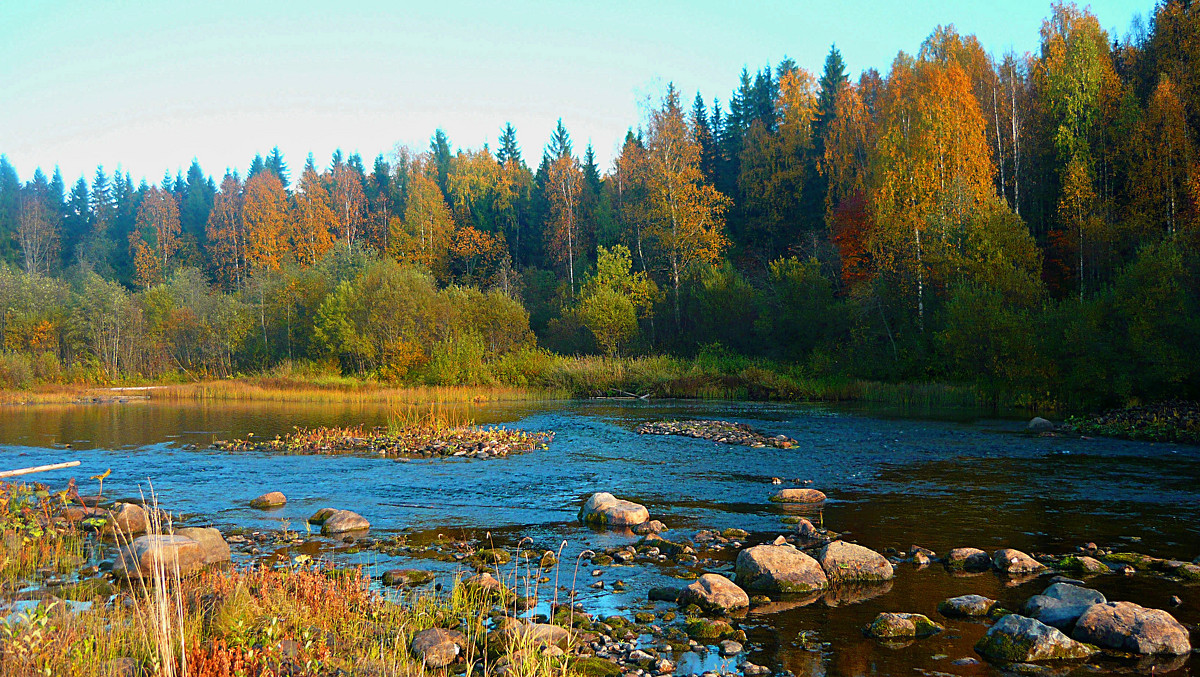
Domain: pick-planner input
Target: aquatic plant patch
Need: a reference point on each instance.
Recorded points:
(420, 441)
(724, 432)
(1170, 421)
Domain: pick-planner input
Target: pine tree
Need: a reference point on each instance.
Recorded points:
(833, 79)
(275, 163)
(439, 150)
(508, 148)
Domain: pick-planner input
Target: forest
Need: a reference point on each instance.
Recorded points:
(1027, 224)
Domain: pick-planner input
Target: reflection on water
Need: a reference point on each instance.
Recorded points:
(892, 482)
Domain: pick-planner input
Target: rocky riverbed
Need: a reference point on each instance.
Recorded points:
(724, 432)
(417, 441)
(705, 624)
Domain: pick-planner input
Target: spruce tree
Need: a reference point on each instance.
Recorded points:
(439, 147)
(508, 148)
(275, 163)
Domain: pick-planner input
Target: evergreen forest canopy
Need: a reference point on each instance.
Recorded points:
(1028, 223)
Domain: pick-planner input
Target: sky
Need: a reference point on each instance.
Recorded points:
(148, 86)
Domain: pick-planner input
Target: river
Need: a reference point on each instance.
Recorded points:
(941, 481)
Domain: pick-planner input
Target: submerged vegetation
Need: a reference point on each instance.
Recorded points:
(1170, 421)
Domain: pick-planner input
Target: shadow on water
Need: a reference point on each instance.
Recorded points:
(967, 479)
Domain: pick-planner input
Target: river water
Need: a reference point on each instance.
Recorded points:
(940, 481)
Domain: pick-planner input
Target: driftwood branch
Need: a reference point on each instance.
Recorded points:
(38, 468)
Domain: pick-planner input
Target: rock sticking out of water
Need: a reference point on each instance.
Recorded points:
(1025, 640)
(900, 626)
(850, 563)
(798, 496)
(715, 593)
(1125, 626)
(779, 569)
(605, 509)
(724, 432)
(1061, 604)
(272, 499)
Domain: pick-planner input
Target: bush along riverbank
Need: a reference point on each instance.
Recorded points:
(1170, 421)
(93, 587)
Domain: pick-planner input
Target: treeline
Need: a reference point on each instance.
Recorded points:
(1029, 223)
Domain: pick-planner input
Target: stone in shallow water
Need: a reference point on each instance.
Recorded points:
(968, 559)
(1125, 626)
(848, 562)
(344, 521)
(605, 509)
(779, 568)
(798, 496)
(966, 606)
(1026, 640)
(901, 625)
(213, 547)
(272, 499)
(1061, 604)
(714, 592)
(1012, 561)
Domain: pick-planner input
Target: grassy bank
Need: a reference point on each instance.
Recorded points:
(531, 376)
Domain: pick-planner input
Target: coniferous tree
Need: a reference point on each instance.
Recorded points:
(508, 149)
(274, 162)
(439, 150)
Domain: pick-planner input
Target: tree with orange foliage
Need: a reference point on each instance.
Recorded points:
(847, 149)
(146, 269)
(476, 250)
(686, 214)
(1165, 156)
(313, 228)
(267, 220)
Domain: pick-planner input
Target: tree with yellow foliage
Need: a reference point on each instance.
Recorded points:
(158, 214)
(425, 233)
(686, 215)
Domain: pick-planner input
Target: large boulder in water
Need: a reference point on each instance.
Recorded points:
(1125, 626)
(1012, 561)
(343, 521)
(1061, 604)
(606, 509)
(849, 563)
(1026, 640)
(779, 568)
(147, 555)
(714, 593)
(213, 548)
(129, 518)
(798, 496)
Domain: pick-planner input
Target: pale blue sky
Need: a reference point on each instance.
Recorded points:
(150, 85)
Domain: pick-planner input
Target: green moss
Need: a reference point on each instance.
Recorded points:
(707, 629)
(644, 617)
(734, 533)
(591, 666)
(602, 560)
(1132, 558)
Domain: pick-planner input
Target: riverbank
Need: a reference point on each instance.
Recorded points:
(1169, 421)
(534, 376)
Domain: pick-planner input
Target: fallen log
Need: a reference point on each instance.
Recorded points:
(38, 468)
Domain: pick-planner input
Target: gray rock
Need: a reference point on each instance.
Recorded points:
(966, 606)
(1039, 425)
(148, 554)
(1061, 604)
(1125, 626)
(779, 568)
(730, 648)
(1026, 640)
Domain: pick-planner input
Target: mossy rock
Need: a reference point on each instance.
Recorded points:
(669, 616)
(86, 590)
(1136, 559)
(644, 617)
(602, 560)
(592, 666)
(1188, 572)
(548, 560)
(616, 621)
(491, 557)
(791, 519)
(1081, 565)
(708, 629)
(735, 533)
